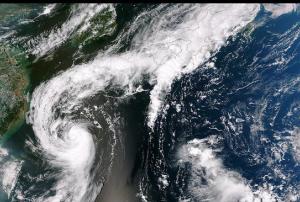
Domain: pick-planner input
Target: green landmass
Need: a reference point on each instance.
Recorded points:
(101, 25)
(13, 85)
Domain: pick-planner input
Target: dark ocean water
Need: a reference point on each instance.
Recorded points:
(230, 124)
(245, 88)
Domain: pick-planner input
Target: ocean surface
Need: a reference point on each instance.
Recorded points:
(150, 102)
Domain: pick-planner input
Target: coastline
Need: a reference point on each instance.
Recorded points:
(21, 83)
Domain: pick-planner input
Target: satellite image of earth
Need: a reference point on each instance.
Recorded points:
(149, 102)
